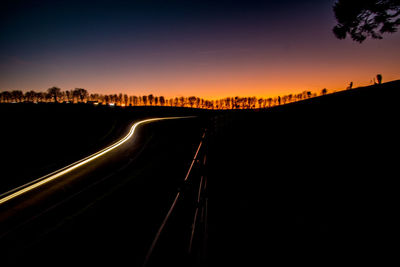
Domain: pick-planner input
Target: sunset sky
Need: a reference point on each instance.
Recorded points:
(207, 48)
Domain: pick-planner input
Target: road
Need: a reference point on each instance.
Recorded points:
(105, 208)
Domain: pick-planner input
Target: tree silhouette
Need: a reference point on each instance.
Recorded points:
(350, 86)
(379, 78)
(182, 101)
(135, 100)
(119, 99)
(40, 96)
(69, 95)
(54, 92)
(366, 18)
(151, 99)
(126, 99)
(80, 94)
(162, 100)
(260, 101)
(30, 96)
(5, 96)
(284, 99)
(192, 100)
(144, 99)
(269, 100)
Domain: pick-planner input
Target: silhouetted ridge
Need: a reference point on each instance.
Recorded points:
(311, 179)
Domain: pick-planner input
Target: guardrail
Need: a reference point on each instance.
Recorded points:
(193, 191)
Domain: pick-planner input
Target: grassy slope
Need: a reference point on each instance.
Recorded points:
(309, 182)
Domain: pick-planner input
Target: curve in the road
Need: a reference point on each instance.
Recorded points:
(56, 174)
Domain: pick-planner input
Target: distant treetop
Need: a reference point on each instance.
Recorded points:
(366, 18)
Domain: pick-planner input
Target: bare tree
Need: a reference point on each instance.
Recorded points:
(54, 92)
(80, 94)
(30, 96)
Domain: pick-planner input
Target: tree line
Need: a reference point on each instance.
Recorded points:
(80, 95)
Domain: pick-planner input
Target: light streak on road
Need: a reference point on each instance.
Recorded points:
(54, 175)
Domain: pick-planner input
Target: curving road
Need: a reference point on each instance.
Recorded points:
(12, 194)
(88, 210)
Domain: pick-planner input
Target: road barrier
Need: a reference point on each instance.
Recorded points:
(192, 197)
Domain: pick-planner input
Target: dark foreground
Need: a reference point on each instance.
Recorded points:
(305, 183)
(107, 214)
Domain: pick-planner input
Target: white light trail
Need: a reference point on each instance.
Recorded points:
(54, 175)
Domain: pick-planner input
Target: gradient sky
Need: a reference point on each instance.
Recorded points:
(207, 48)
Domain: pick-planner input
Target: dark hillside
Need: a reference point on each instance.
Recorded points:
(309, 182)
(40, 138)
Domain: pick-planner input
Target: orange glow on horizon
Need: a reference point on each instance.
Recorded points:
(261, 56)
(216, 91)
(262, 76)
